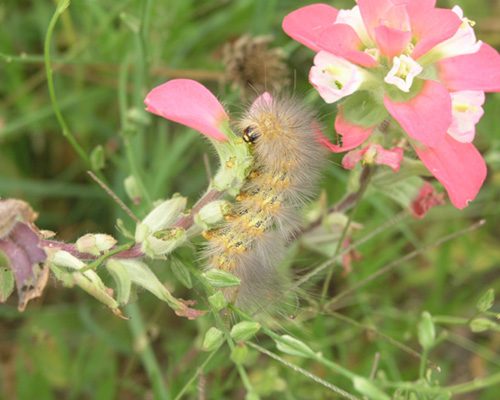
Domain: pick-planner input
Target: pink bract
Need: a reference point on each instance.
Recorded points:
(189, 103)
(458, 166)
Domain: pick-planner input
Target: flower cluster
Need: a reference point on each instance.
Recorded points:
(408, 61)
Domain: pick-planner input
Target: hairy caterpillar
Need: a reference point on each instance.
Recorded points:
(287, 163)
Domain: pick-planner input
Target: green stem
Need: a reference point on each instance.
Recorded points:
(198, 371)
(145, 352)
(476, 384)
(118, 249)
(364, 181)
(61, 7)
(304, 372)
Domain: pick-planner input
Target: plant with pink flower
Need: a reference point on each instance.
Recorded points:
(409, 62)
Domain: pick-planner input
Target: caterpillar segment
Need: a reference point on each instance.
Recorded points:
(266, 212)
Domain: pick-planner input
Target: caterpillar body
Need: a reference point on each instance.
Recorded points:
(265, 216)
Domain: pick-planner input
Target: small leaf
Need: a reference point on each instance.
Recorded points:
(294, 347)
(217, 301)
(368, 389)
(239, 353)
(97, 158)
(122, 279)
(221, 279)
(213, 339)
(426, 331)
(181, 273)
(486, 301)
(244, 330)
(483, 324)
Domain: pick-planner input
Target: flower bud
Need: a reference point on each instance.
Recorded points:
(244, 330)
(163, 242)
(212, 213)
(95, 244)
(62, 258)
(213, 339)
(217, 301)
(132, 189)
(221, 279)
(160, 217)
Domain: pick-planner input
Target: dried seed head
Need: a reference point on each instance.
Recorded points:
(253, 67)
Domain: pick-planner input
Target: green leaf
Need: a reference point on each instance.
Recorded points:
(221, 279)
(368, 389)
(141, 275)
(213, 339)
(217, 301)
(426, 331)
(122, 279)
(294, 347)
(181, 273)
(244, 330)
(486, 301)
(363, 109)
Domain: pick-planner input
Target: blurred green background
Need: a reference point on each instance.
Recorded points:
(107, 55)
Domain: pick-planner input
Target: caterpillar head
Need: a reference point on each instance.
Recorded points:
(250, 134)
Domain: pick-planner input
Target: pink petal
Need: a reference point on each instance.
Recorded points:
(427, 116)
(391, 42)
(306, 23)
(390, 157)
(458, 166)
(374, 154)
(343, 41)
(352, 135)
(427, 198)
(431, 27)
(189, 103)
(352, 158)
(372, 12)
(477, 71)
(416, 6)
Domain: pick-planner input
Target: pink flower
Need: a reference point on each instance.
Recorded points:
(334, 77)
(420, 65)
(189, 103)
(426, 199)
(374, 154)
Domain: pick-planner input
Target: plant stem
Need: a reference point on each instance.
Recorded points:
(351, 200)
(61, 7)
(145, 352)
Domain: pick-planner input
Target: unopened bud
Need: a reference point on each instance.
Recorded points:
(95, 244)
(160, 217)
(163, 242)
(62, 258)
(132, 189)
(212, 213)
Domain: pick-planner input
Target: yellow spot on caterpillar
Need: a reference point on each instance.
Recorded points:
(230, 163)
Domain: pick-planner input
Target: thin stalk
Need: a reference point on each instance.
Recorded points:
(198, 371)
(146, 353)
(364, 180)
(304, 372)
(61, 7)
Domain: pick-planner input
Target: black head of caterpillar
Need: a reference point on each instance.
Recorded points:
(250, 134)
